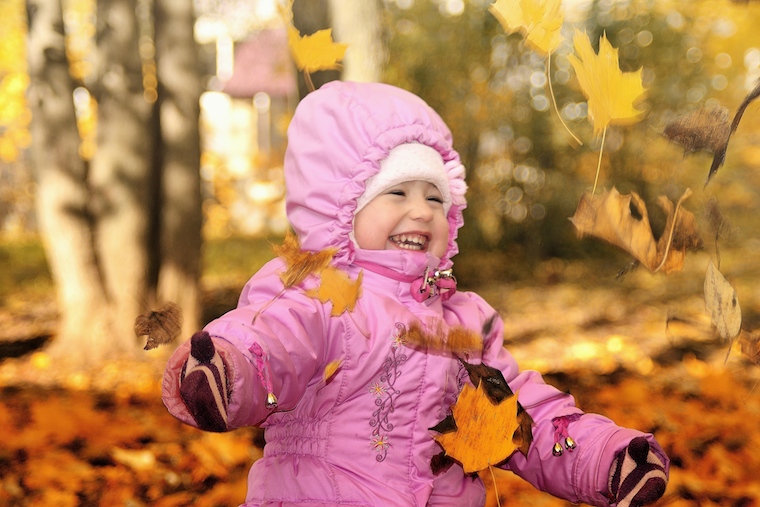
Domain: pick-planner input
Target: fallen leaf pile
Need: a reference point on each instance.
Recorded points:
(705, 419)
(71, 448)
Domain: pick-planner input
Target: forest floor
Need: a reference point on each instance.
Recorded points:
(639, 350)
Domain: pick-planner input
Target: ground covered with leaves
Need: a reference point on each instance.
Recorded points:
(639, 350)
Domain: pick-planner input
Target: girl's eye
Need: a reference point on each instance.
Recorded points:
(439, 200)
(397, 192)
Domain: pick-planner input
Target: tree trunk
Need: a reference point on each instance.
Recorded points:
(360, 25)
(179, 111)
(120, 173)
(61, 174)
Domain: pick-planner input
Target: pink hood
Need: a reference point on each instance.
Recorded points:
(336, 140)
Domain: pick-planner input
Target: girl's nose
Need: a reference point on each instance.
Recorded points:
(420, 210)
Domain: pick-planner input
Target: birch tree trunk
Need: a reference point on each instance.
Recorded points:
(360, 25)
(179, 111)
(121, 173)
(62, 198)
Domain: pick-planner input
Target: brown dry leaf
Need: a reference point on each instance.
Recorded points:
(750, 345)
(679, 236)
(609, 216)
(300, 263)
(485, 431)
(704, 129)
(720, 154)
(722, 303)
(338, 288)
(458, 339)
(162, 326)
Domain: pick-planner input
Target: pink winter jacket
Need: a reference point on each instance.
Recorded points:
(362, 437)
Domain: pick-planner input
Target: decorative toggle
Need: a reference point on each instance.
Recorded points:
(436, 282)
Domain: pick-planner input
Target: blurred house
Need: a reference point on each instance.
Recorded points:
(244, 122)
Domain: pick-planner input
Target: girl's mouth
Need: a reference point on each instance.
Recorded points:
(409, 241)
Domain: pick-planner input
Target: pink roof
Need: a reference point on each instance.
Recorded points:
(262, 64)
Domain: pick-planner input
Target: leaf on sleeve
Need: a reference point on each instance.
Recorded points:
(494, 384)
(332, 368)
(722, 304)
(485, 430)
(611, 93)
(300, 263)
(539, 21)
(456, 339)
(161, 326)
(338, 288)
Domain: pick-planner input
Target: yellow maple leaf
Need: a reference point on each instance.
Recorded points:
(300, 263)
(540, 21)
(315, 52)
(611, 93)
(339, 289)
(485, 431)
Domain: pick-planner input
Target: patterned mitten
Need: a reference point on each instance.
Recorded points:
(637, 476)
(204, 386)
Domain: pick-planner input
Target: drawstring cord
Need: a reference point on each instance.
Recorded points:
(561, 435)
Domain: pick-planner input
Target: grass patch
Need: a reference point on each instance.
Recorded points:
(24, 270)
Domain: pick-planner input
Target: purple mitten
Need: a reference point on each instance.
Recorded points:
(204, 386)
(637, 476)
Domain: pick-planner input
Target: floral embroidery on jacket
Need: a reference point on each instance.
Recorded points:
(386, 393)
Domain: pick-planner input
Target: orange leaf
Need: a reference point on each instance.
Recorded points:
(457, 339)
(485, 431)
(332, 368)
(339, 289)
(300, 263)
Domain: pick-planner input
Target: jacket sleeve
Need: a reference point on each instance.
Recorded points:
(578, 475)
(272, 342)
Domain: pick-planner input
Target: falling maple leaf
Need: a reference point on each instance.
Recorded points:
(722, 303)
(608, 216)
(484, 430)
(161, 326)
(611, 93)
(540, 21)
(336, 286)
(300, 263)
(315, 52)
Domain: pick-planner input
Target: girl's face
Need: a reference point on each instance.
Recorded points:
(408, 216)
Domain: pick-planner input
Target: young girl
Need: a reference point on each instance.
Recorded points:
(371, 173)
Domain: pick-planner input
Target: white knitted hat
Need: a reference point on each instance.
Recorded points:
(408, 162)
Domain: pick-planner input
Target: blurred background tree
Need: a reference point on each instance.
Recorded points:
(116, 91)
(121, 223)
